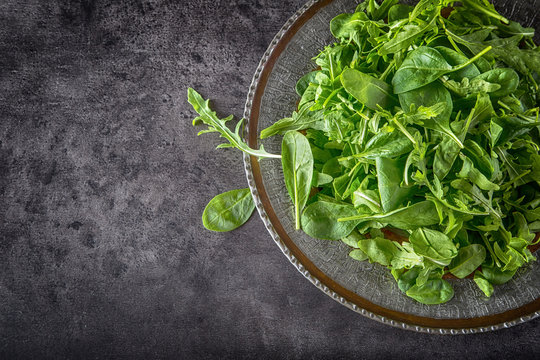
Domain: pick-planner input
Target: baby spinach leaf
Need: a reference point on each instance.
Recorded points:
(507, 79)
(469, 258)
(358, 254)
(483, 284)
(434, 291)
(297, 162)
(434, 245)
(320, 220)
(209, 117)
(391, 143)
(378, 250)
(407, 218)
(454, 58)
(408, 279)
(368, 90)
(429, 96)
(423, 66)
(228, 211)
(390, 177)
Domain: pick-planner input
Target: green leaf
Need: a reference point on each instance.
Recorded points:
(483, 284)
(507, 79)
(435, 291)
(433, 245)
(389, 178)
(228, 211)
(320, 220)
(209, 117)
(407, 218)
(378, 250)
(300, 120)
(297, 162)
(469, 258)
(370, 91)
(423, 66)
(358, 255)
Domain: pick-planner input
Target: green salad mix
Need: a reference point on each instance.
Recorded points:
(422, 121)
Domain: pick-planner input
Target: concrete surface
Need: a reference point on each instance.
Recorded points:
(103, 181)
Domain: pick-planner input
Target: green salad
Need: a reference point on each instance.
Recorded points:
(419, 120)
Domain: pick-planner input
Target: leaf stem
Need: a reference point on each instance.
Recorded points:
(473, 59)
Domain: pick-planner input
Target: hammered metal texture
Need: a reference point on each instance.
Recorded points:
(370, 281)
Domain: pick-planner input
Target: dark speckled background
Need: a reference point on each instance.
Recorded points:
(103, 181)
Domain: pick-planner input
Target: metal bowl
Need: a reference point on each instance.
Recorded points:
(368, 289)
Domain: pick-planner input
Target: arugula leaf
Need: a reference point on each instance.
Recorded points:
(209, 117)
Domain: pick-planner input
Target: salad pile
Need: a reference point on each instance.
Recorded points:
(422, 121)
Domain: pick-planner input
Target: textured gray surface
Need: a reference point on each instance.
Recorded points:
(102, 183)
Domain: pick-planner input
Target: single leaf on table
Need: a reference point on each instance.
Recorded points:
(228, 211)
(209, 117)
(320, 220)
(367, 89)
(434, 245)
(297, 163)
(468, 259)
(408, 218)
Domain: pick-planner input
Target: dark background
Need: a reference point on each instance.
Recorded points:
(103, 181)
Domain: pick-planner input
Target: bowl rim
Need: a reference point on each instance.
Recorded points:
(300, 261)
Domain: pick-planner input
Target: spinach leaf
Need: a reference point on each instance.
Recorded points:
(423, 66)
(468, 259)
(370, 91)
(297, 162)
(228, 211)
(320, 220)
(434, 291)
(407, 218)
(378, 250)
(434, 245)
(507, 79)
(390, 176)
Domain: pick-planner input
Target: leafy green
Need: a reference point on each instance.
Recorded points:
(297, 162)
(228, 211)
(209, 117)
